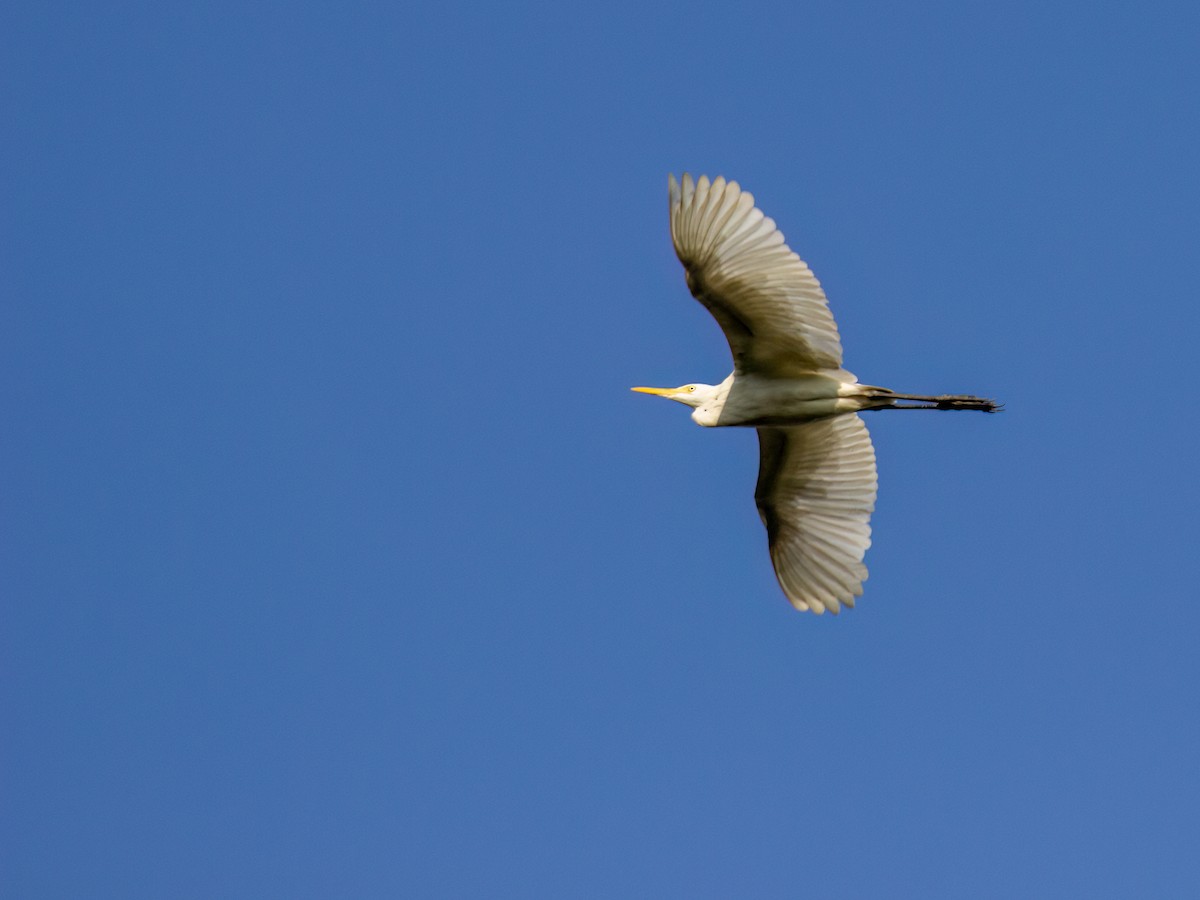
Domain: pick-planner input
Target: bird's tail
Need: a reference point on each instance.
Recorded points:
(882, 398)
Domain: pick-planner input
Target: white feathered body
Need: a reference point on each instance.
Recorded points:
(751, 400)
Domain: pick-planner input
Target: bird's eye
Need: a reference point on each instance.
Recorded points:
(691, 388)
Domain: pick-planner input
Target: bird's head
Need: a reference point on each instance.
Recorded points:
(694, 395)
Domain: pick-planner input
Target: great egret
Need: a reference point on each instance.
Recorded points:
(816, 477)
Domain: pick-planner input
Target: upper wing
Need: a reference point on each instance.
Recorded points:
(766, 300)
(816, 492)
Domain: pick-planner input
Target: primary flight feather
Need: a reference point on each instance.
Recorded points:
(816, 478)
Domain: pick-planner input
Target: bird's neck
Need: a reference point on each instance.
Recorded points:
(709, 412)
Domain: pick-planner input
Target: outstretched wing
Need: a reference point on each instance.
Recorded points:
(766, 300)
(816, 491)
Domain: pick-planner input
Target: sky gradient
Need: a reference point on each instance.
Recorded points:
(339, 560)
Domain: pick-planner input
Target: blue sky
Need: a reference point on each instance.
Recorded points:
(339, 560)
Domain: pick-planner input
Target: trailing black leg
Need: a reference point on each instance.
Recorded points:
(943, 401)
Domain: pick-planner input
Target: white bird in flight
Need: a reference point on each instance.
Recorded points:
(816, 477)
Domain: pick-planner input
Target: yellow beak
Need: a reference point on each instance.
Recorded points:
(662, 392)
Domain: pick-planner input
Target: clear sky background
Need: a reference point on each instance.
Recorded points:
(339, 560)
